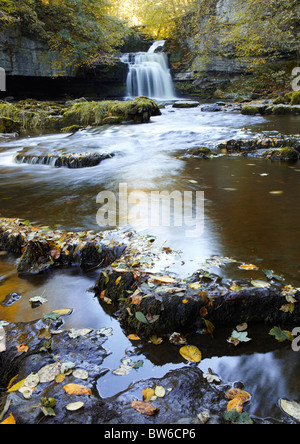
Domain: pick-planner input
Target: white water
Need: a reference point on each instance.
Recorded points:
(149, 74)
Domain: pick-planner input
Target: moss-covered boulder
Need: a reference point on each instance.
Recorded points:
(8, 125)
(201, 152)
(287, 153)
(253, 109)
(139, 110)
(295, 99)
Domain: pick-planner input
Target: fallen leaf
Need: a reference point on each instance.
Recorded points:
(209, 327)
(22, 348)
(9, 420)
(16, 386)
(164, 279)
(63, 311)
(74, 406)
(159, 391)
(148, 393)
(242, 327)
(141, 317)
(145, 407)
(260, 284)
(77, 389)
(191, 353)
(155, 340)
(195, 286)
(238, 398)
(49, 372)
(80, 374)
(134, 337)
(281, 335)
(177, 339)
(291, 408)
(248, 267)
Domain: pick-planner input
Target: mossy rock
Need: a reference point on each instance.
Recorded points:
(295, 99)
(253, 110)
(201, 152)
(286, 153)
(8, 125)
(71, 129)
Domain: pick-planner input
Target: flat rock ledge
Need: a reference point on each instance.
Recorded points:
(157, 308)
(189, 394)
(41, 248)
(72, 161)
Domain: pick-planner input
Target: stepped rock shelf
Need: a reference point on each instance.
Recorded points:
(72, 115)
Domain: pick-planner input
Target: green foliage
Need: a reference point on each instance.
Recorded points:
(82, 31)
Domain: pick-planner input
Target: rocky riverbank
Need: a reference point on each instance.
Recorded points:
(72, 115)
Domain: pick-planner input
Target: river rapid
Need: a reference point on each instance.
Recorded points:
(243, 220)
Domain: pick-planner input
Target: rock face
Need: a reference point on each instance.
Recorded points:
(198, 73)
(22, 56)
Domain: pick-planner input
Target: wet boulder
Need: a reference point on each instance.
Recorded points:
(71, 161)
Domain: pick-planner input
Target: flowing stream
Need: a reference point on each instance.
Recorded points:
(243, 220)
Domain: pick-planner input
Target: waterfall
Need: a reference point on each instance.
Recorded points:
(149, 74)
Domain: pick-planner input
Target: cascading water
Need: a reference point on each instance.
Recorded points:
(149, 74)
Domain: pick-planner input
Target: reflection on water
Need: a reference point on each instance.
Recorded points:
(242, 219)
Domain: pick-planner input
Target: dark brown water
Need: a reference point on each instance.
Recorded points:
(244, 220)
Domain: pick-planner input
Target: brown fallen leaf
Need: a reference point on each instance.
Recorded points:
(145, 407)
(77, 389)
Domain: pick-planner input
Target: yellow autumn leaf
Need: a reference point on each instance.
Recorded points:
(9, 420)
(248, 267)
(191, 353)
(164, 279)
(195, 286)
(237, 399)
(133, 337)
(16, 387)
(77, 389)
(63, 311)
(148, 393)
(155, 340)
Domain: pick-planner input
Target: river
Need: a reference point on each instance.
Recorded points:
(243, 220)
